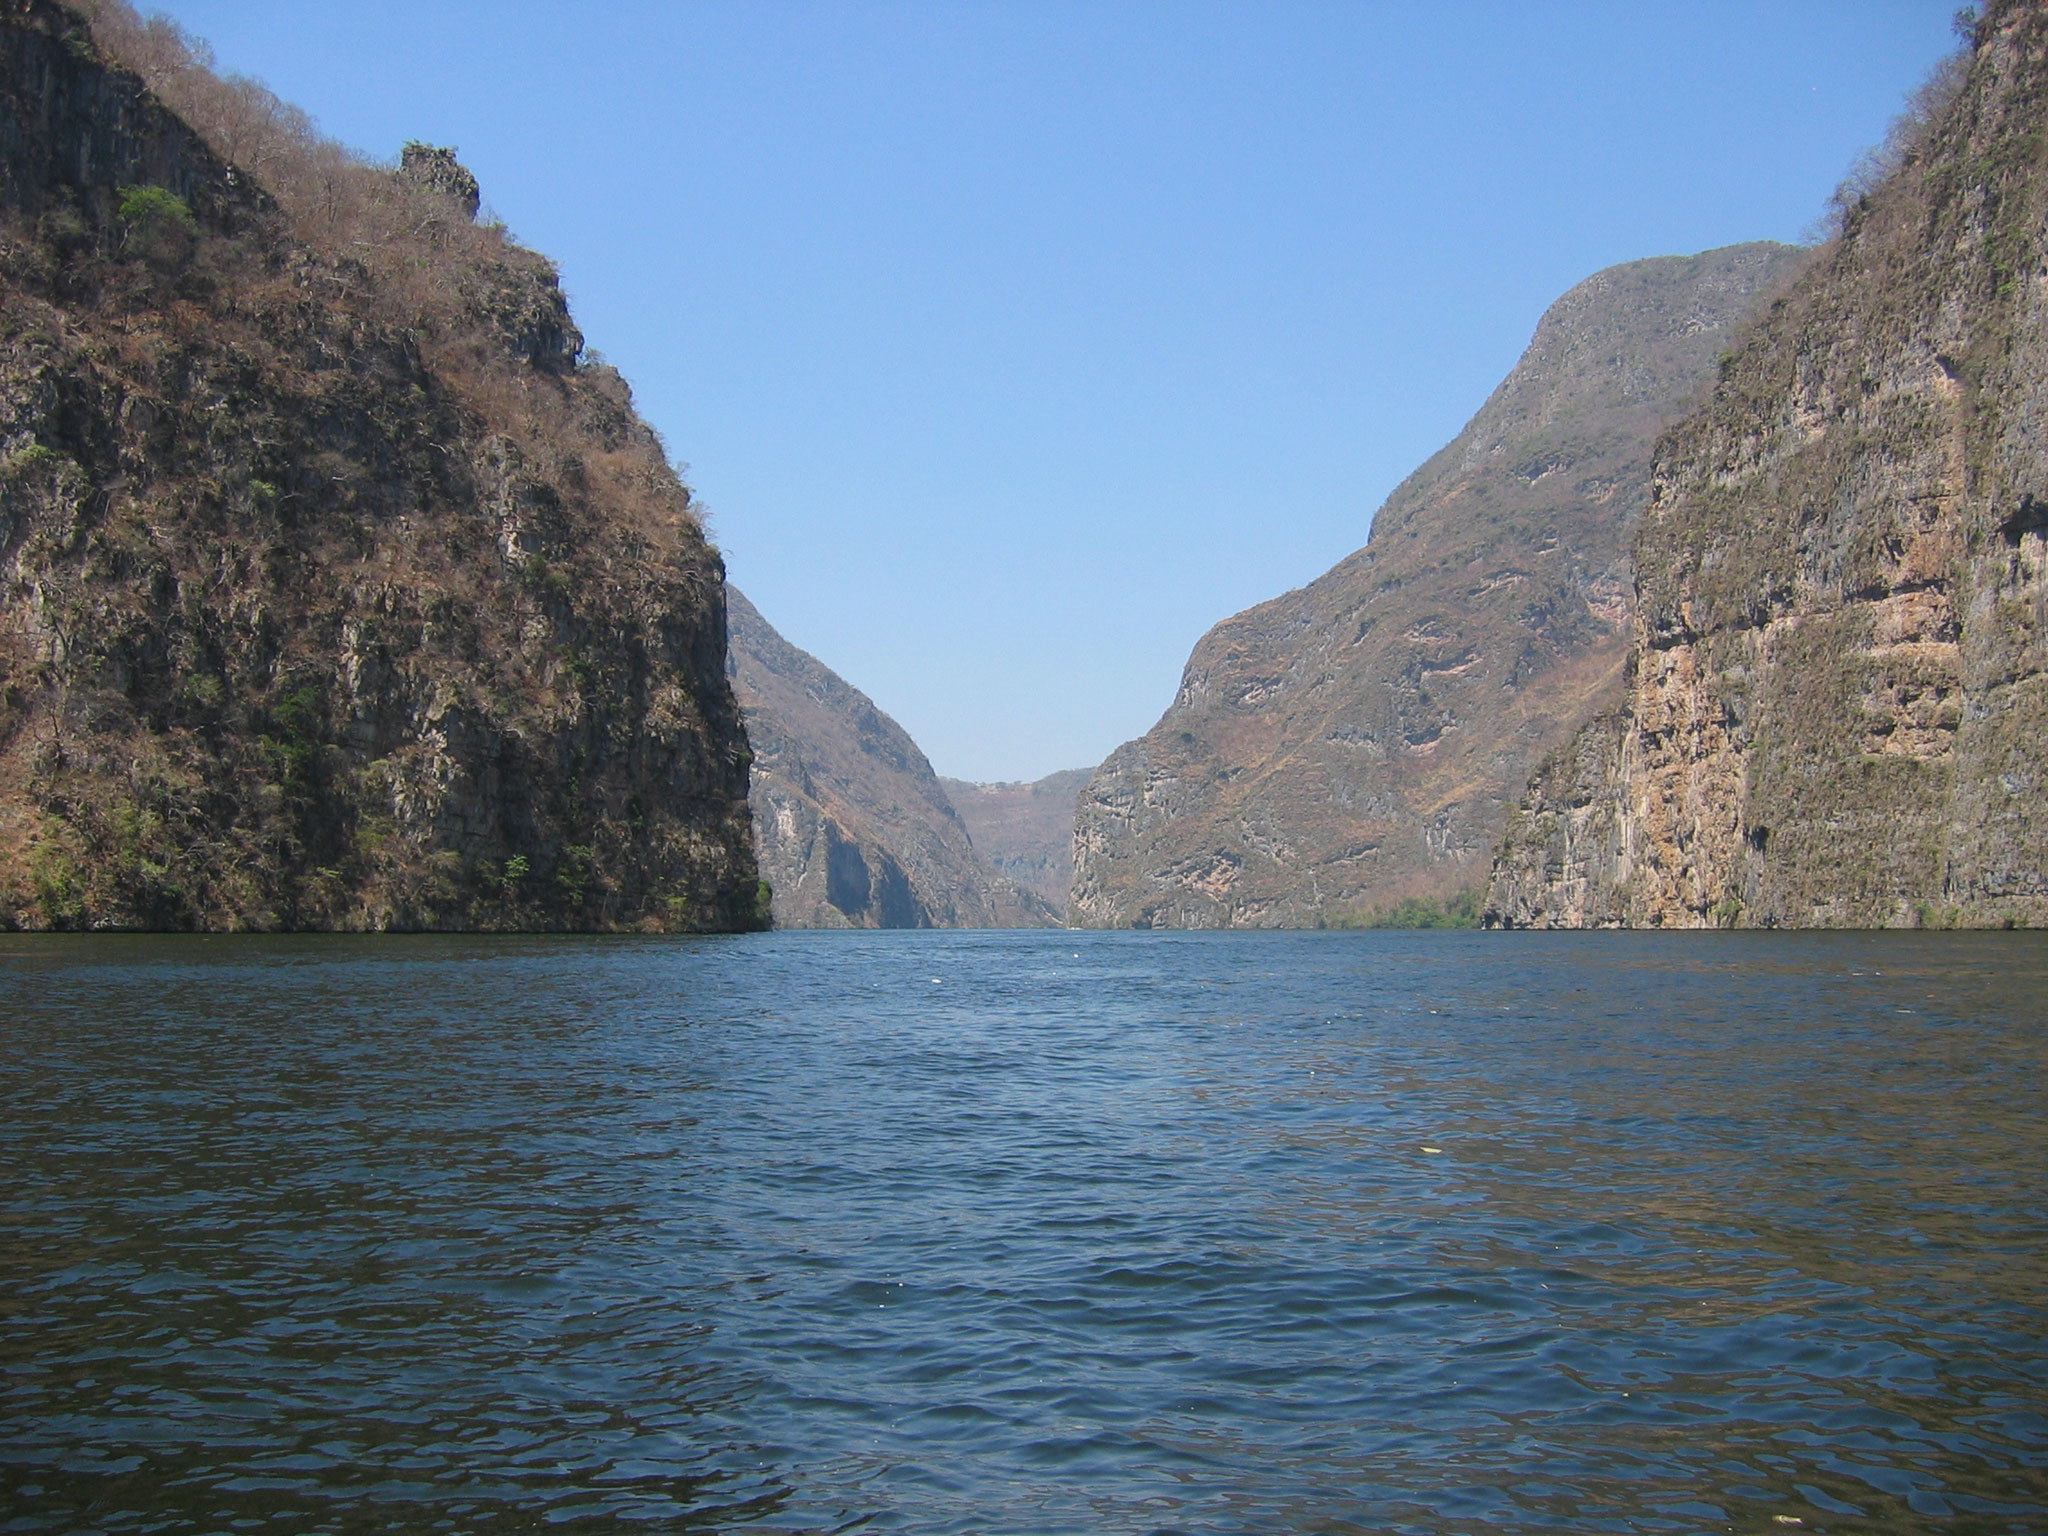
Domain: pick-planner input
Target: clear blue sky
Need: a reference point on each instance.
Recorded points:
(1013, 345)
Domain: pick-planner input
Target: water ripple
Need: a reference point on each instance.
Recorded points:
(1018, 1233)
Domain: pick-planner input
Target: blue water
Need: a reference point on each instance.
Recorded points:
(1003, 1233)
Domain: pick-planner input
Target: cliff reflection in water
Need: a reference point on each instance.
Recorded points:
(1025, 1232)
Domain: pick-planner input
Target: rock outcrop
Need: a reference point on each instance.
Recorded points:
(434, 168)
(854, 829)
(1026, 831)
(334, 591)
(1837, 705)
(1357, 742)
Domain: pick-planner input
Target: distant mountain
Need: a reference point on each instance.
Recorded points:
(852, 826)
(1837, 702)
(1358, 741)
(1026, 831)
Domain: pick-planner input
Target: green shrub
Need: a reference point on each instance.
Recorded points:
(536, 575)
(577, 868)
(201, 690)
(155, 207)
(1460, 910)
(160, 228)
(58, 884)
(293, 740)
(297, 712)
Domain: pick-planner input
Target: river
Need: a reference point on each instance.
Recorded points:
(1025, 1232)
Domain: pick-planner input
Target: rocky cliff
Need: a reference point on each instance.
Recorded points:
(1025, 831)
(1837, 713)
(854, 828)
(335, 592)
(1357, 742)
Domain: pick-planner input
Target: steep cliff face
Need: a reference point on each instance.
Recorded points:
(1356, 742)
(854, 828)
(1025, 831)
(1837, 712)
(72, 136)
(334, 592)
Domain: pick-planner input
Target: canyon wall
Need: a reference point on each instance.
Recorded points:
(1836, 713)
(1025, 830)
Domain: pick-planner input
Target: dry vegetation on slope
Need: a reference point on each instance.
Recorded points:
(334, 590)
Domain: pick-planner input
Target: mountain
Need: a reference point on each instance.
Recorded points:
(1837, 703)
(854, 828)
(336, 590)
(1026, 831)
(1356, 743)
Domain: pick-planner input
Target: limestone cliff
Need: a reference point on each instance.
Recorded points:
(1026, 831)
(1357, 742)
(1837, 711)
(854, 828)
(335, 592)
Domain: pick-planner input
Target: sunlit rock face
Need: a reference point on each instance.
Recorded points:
(335, 590)
(1836, 711)
(1358, 741)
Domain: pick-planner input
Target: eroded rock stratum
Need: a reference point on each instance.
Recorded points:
(1836, 711)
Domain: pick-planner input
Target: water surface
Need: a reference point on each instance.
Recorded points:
(1006, 1233)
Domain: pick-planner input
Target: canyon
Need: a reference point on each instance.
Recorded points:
(854, 829)
(343, 588)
